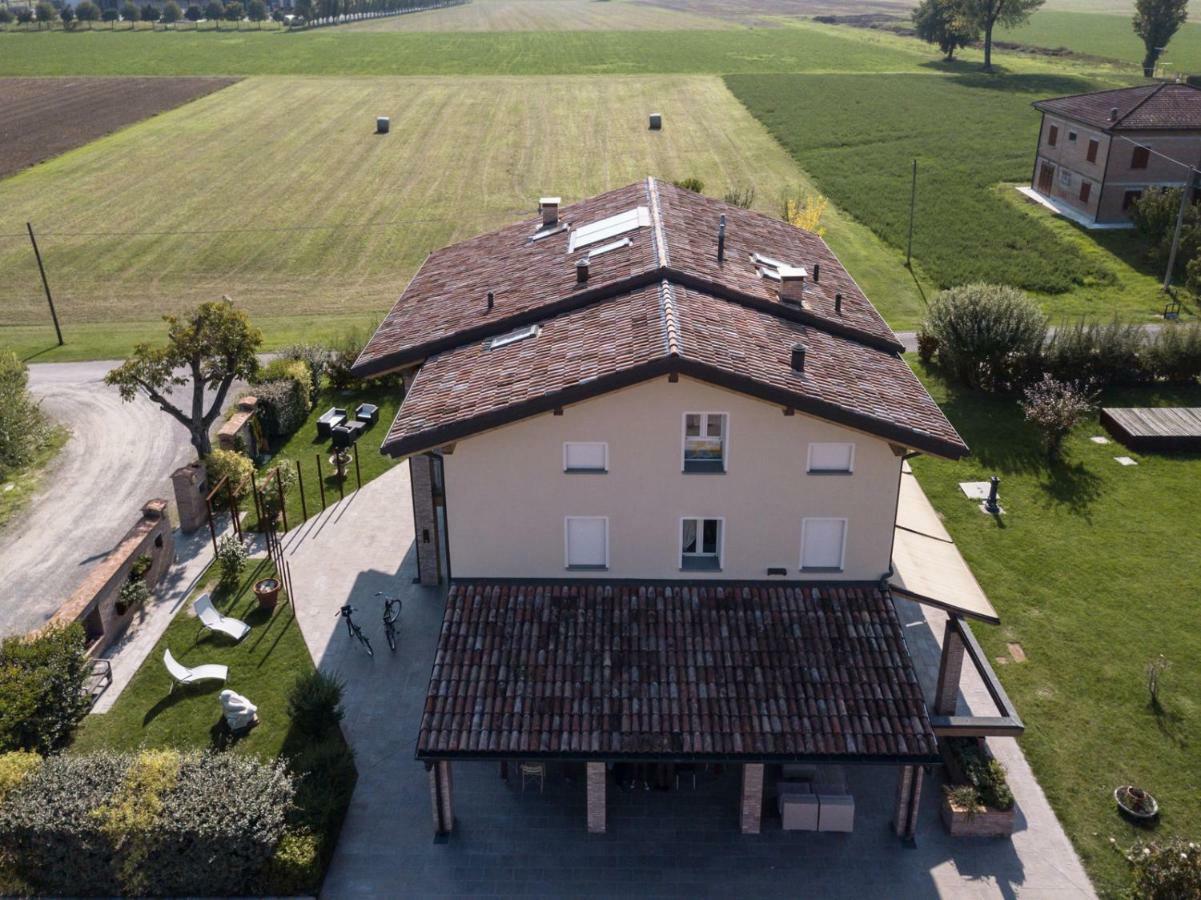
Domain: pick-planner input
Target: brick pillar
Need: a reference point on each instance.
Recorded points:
(191, 484)
(597, 777)
(425, 520)
(752, 797)
(442, 797)
(950, 668)
(909, 795)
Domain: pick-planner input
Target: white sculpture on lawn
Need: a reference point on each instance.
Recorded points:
(239, 712)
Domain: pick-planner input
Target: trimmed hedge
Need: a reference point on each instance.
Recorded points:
(41, 689)
(283, 405)
(158, 823)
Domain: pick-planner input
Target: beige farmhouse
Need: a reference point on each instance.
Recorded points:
(657, 445)
(1098, 152)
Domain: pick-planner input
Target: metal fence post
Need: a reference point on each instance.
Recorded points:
(304, 507)
(358, 478)
(279, 486)
(321, 482)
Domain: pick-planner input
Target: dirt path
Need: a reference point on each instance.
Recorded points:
(119, 456)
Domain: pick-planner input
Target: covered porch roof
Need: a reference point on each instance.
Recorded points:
(673, 670)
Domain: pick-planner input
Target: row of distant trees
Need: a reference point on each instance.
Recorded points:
(45, 13)
(952, 24)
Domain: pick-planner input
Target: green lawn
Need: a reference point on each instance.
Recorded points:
(262, 667)
(303, 447)
(968, 132)
(1106, 35)
(1093, 569)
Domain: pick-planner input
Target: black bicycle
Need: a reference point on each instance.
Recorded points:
(391, 614)
(354, 630)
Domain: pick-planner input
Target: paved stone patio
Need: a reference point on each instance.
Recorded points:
(660, 843)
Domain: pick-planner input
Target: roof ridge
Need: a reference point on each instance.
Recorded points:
(662, 257)
(671, 318)
(1159, 87)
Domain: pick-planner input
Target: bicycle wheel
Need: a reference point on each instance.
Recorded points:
(366, 644)
(390, 634)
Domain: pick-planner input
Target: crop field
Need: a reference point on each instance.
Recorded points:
(42, 117)
(543, 15)
(1106, 35)
(968, 134)
(234, 197)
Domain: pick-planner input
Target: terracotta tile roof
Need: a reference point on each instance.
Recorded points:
(656, 330)
(1144, 107)
(639, 670)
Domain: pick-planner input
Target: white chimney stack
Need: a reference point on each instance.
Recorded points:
(792, 284)
(549, 207)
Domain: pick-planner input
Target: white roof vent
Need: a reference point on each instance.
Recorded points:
(549, 207)
(792, 283)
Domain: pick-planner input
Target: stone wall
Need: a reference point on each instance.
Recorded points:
(94, 603)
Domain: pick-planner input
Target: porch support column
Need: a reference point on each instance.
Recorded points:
(752, 797)
(425, 520)
(909, 793)
(596, 778)
(442, 797)
(950, 668)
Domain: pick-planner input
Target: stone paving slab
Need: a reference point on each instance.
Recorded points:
(510, 843)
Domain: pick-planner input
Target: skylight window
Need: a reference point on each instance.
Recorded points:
(638, 217)
(513, 337)
(607, 248)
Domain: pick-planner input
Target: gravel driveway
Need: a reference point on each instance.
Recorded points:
(119, 456)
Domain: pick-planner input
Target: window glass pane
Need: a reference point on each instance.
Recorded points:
(692, 425)
(709, 538)
(586, 541)
(690, 535)
(714, 426)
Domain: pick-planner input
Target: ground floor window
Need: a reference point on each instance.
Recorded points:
(587, 542)
(700, 544)
(823, 544)
(1086, 190)
(1129, 198)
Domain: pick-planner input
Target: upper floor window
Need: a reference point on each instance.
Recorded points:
(823, 545)
(701, 544)
(586, 541)
(1093, 147)
(1140, 157)
(1052, 135)
(585, 456)
(831, 458)
(705, 442)
(1072, 136)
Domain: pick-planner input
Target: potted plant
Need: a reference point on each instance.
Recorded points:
(133, 593)
(977, 802)
(1136, 803)
(267, 592)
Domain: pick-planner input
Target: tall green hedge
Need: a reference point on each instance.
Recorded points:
(41, 689)
(284, 395)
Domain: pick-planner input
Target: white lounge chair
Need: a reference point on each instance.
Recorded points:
(182, 675)
(210, 618)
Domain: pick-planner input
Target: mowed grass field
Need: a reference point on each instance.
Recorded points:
(543, 15)
(1109, 36)
(277, 192)
(969, 134)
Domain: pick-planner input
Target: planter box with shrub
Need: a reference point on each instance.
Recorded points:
(977, 801)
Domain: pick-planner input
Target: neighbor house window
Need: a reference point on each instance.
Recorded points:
(705, 442)
(1139, 158)
(1052, 136)
(1065, 178)
(585, 456)
(1093, 147)
(823, 544)
(1072, 136)
(831, 458)
(1085, 191)
(700, 544)
(1130, 198)
(587, 542)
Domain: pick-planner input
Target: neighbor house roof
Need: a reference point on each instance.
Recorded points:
(1148, 107)
(656, 300)
(754, 672)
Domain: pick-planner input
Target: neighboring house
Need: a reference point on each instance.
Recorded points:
(656, 444)
(1098, 152)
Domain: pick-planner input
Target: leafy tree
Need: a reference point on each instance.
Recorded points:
(67, 14)
(1055, 408)
(23, 431)
(110, 14)
(213, 10)
(1155, 21)
(256, 11)
(24, 16)
(6, 15)
(87, 11)
(946, 23)
(233, 11)
(150, 13)
(171, 12)
(211, 348)
(986, 14)
(46, 13)
(193, 13)
(303, 8)
(130, 12)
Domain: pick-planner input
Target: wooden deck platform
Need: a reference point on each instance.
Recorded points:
(1150, 429)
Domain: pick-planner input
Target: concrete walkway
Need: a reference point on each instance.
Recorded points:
(509, 842)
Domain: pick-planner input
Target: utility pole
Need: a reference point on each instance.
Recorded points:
(912, 202)
(45, 284)
(1186, 197)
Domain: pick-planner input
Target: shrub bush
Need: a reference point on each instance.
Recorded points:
(691, 183)
(315, 704)
(983, 773)
(283, 405)
(1055, 408)
(342, 355)
(315, 357)
(1100, 354)
(133, 594)
(15, 766)
(1175, 353)
(231, 560)
(41, 689)
(269, 489)
(1167, 870)
(233, 465)
(988, 334)
(78, 824)
(23, 431)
